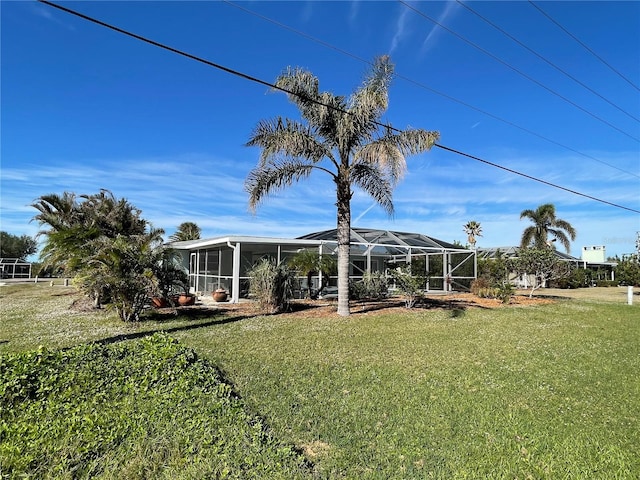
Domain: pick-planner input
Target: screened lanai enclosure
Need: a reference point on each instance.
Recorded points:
(224, 262)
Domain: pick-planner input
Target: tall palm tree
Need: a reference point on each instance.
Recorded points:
(341, 137)
(546, 223)
(473, 229)
(186, 231)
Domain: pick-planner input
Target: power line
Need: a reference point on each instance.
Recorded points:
(425, 87)
(584, 46)
(519, 72)
(268, 84)
(515, 172)
(547, 61)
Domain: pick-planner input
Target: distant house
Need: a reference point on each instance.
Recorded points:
(223, 262)
(14, 268)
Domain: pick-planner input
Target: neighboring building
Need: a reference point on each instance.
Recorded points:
(594, 253)
(223, 262)
(14, 268)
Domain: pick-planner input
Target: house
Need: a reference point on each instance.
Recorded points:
(223, 262)
(14, 268)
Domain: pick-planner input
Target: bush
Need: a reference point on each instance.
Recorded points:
(410, 284)
(372, 286)
(271, 285)
(628, 270)
(479, 286)
(577, 278)
(483, 288)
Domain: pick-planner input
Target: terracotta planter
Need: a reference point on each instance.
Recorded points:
(159, 302)
(220, 295)
(185, 300)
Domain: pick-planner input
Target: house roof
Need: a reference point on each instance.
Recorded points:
(393, 242)
(369, 236)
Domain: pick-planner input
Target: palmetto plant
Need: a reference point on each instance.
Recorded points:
(341, 137)
(546, 223)
(473, 229)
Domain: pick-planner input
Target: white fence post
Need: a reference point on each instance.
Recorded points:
(630, 295)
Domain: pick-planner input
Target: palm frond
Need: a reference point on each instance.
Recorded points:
(280, 138)
(266, 179)
(373, 181)
(386, 156)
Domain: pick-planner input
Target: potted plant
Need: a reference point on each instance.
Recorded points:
(169, 278)
(186, 297)
(219, 295)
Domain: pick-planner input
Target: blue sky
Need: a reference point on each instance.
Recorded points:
(85, 108)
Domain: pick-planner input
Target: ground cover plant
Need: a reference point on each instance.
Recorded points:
(140, 409)
(446, 390)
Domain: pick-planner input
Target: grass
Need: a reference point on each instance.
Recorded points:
(547, 391)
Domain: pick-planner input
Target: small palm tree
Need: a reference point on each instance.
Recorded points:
(341, 137)
(186, 231)
(308, 263)
(546, 223)
(473, 230)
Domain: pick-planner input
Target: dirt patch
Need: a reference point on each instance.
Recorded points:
(324, 308)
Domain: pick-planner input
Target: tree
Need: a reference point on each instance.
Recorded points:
(541, 265)
(341, 137)
(628, 270)
(124, 267)
(13, 246)
(103, 243)
(72, 222)
(309, 262)
(186, 231)
(545, 223)
(473, 230)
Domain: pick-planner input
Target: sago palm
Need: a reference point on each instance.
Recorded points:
(341, 137)
(546, 223)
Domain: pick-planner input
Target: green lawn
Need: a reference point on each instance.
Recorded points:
(547, 391)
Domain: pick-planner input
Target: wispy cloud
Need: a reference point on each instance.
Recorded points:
(431, 38)
(436, 201)
(47, 13)
(400, 31)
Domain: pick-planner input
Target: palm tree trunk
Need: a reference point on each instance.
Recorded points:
(344, 241)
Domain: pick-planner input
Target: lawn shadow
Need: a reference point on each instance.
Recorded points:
(456, 306)
(183, 328)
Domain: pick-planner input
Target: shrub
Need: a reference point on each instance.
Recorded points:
(410, 284)
(483, 288)
(479, 285)
(577, 278)
(271, 285)
(628, 270)
(372, 286)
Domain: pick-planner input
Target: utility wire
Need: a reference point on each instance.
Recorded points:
(270, 85)
(425, 87)
(534, 178)
(584, 46)
(547, 61)
(519, 72)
